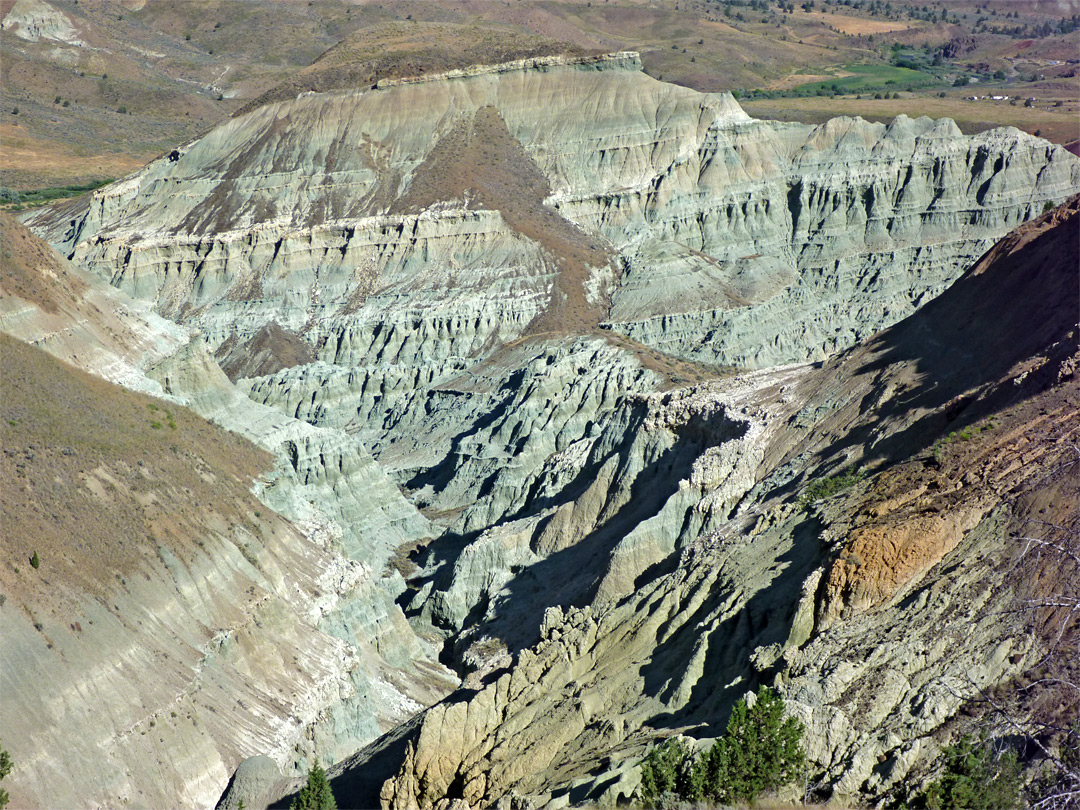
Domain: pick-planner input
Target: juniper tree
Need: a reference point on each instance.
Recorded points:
(5, 769)
(316, 794)
(976, 777)
(761, 751)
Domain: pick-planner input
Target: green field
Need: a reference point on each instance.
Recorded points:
(871, 78)
(19, 200)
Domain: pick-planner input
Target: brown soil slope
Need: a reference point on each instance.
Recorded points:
(1004, 331)
(969, 404)
(49, 302)
(32, 271)
(148, 644)
(268, 351)
(94, 477)
(394, 50)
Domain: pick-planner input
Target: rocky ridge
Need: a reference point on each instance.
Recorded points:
(878, 614)
(689, 228)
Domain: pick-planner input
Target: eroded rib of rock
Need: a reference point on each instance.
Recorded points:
(700, 232)
(485, 308)
(744, 242)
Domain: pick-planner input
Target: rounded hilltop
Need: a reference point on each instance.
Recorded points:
(407, 49)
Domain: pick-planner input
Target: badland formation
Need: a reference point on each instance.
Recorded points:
(473, 426)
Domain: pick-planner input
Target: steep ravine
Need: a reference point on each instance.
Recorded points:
(879, 613)
(404, 261)
(200, 601)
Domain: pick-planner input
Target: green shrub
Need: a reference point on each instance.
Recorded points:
(5, 769)
(667, 769)
(761, 751)
(938, 452)
(827, 487)
(35, 561)
(46, 194)
(316, 794)
(976, 778)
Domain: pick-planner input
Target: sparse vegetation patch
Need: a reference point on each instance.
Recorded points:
(977, 777)
(10, 199)
(870, 78)
(828, 487)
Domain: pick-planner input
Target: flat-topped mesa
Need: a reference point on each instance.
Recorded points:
(691, 228)
(619, 60)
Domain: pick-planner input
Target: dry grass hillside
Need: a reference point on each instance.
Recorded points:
(405, 48)
(956, 418)
(141, 78)
(94, 479)
(154, 612)
(129, 81)
(132, 472)
(32, 270)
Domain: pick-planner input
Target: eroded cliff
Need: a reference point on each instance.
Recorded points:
(880, 614)
(199, 602)
(476, 302)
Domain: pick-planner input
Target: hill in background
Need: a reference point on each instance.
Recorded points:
(101, 87)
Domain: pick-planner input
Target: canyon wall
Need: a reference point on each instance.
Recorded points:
(478, 301)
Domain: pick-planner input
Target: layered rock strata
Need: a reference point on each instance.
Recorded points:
(491, 310)
(722, 221)
(357, 220)
(251, 613)
(878, 613)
